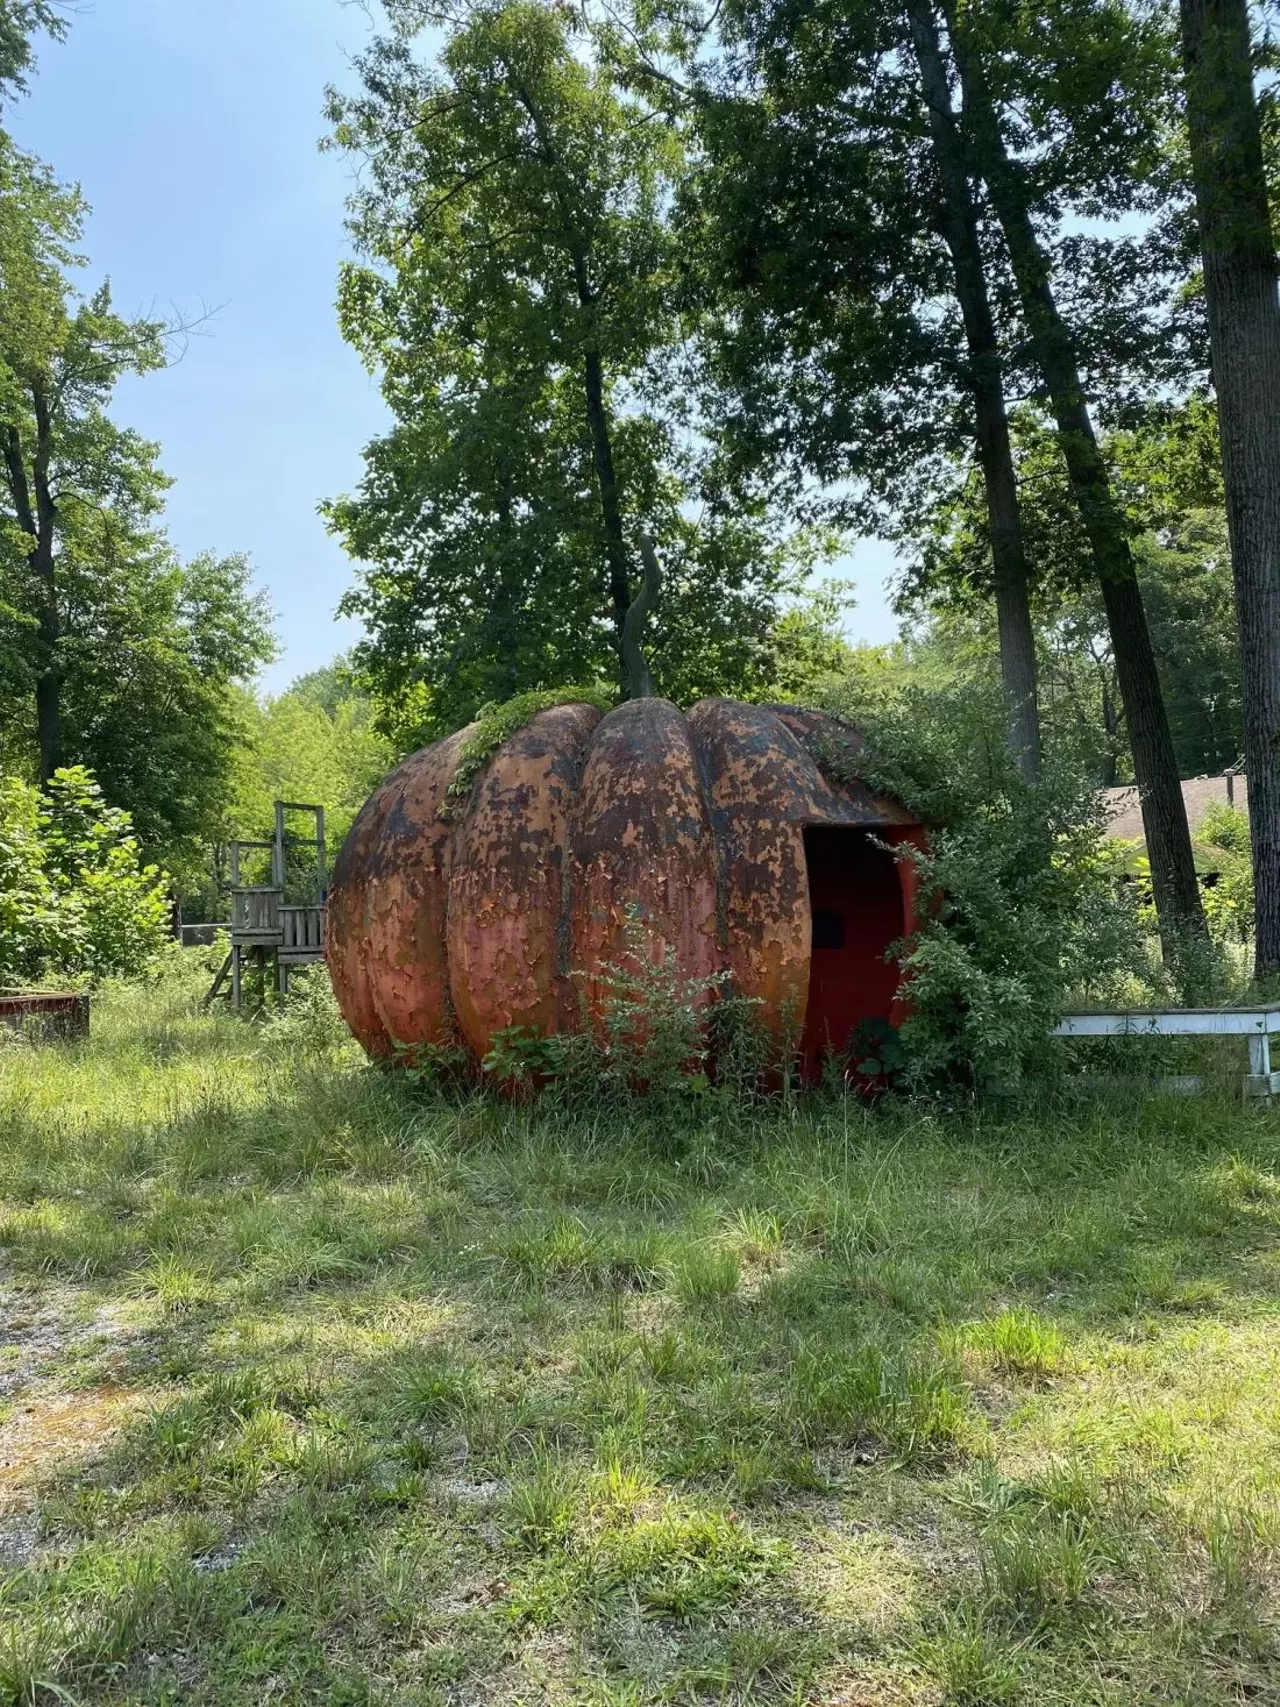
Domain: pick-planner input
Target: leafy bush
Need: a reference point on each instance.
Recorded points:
(1024, 914)
(1022, 906)
(28, 912)
(661, 1036)
(1228, 900)
(653, 1036)
(75, 901)
(655, 1022)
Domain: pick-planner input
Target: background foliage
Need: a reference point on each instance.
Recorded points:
(521, 294)
(76, 901)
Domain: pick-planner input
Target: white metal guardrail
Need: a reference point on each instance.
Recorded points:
(1259, 1025)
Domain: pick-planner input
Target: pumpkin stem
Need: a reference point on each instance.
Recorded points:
(635, 670)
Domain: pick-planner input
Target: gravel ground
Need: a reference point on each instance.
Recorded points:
(43, 1425)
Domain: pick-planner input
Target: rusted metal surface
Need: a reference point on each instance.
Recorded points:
(345, 945)
(406, 901)
(839, 802)
(642, 853)
(762, 788)
(45, 1014)
(577, 832)
(508, 951)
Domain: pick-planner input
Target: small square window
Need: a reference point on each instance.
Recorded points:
(828, 928)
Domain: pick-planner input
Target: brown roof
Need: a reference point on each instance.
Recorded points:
(1199, 793)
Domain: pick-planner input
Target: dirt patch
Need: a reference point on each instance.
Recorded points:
(38, 1332)
(43, 1428)
(49, 1431)
(31, 1337)
(55, 1429)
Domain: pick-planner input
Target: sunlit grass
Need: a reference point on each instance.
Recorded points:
(324, 1389)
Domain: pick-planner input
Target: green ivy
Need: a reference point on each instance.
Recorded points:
(496, 723)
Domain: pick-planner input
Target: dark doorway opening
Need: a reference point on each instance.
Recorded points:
(857, 905)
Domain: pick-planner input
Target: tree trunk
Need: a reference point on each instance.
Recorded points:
(1244, 335)
(1164, 816)
(615, 544)
(640, 683)
(1111, 748)
(636, 683)
(49, 683)
(958, 224)
(39, 520)
(636, 680)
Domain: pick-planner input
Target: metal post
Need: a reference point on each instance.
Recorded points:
(1260, 1083)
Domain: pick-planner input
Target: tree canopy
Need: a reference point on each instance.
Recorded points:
(520, 295)
(114, 654)
(666, 300)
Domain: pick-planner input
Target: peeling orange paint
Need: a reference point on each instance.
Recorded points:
(506, 897)
(578, 829)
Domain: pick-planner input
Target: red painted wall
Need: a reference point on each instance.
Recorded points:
(861, 898)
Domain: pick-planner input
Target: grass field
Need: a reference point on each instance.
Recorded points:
(317, 1388)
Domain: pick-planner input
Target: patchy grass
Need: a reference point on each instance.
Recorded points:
(316, 1388)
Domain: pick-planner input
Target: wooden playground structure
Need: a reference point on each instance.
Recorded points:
(276, 926)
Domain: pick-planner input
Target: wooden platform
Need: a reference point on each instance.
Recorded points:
(268, 931)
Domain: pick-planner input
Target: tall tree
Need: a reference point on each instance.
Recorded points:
(1240, 284)
(152, 652)
(1164, 470)
(20, 20)
(958, 219)
(113, 654)
(1015, 191)
(519, 300)
(61, 356)
(837, 210)
(821, 107)
(157, 653)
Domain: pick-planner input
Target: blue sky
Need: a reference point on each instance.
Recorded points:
(193, 131)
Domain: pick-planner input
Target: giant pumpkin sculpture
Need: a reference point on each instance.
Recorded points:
(453, 917)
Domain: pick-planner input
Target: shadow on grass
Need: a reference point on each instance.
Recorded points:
(432, 1390)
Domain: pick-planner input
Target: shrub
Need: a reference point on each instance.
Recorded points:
(1228, 900)
(660, 1035)
(28, 908)
(75, 901)
(655, 1022)
(1022, 905)
(1023, 912)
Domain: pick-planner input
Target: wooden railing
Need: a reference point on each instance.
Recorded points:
(260, 919)
(302, 930)
(255, 915)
